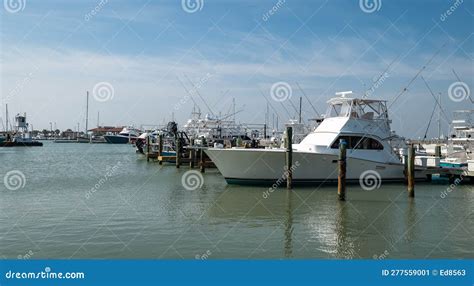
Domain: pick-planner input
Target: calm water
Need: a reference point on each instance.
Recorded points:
(105, 201)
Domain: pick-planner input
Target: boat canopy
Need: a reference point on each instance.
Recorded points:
(369, 109)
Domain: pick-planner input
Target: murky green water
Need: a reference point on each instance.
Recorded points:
(105, 201)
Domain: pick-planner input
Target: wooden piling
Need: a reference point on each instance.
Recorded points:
(411, 171)
(160, 147)
(202, 163)
(405, 168)
(192, 154)
(289, 157)
(341, 178)
(178, 152)
(148, 148)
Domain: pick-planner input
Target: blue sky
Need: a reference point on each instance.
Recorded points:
(52, 52)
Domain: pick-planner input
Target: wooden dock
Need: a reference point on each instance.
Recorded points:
(192, 156)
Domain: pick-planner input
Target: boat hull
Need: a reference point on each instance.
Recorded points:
(267, 167)
(21, 144)
(117, 139)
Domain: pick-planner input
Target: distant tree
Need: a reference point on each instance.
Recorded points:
(57, 131)
(45, 132)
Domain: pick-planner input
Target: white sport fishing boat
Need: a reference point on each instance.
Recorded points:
(362, 123)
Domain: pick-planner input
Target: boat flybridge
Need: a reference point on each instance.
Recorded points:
(362, 123)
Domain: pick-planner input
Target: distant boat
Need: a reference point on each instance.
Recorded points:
(20, 137)
(125, 136)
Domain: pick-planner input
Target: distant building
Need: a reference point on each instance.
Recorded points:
(103, 130)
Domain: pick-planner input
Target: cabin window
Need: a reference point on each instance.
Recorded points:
(358, 142)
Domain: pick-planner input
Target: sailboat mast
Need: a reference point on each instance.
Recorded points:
(439, 116)
(87, 111)
(6, 116)
(301, 106)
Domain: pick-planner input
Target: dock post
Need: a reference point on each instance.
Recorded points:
(289, 157)
(148, 148)
(201, 165)
(191, 154)
(405, 166)
(160, 147)
(341, 178)
(178, 152)
(411, 171)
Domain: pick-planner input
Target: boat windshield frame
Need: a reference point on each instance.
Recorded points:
(368, 109)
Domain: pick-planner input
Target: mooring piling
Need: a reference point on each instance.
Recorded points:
(201, 163)
(289, 157)
(160, 147)
(178, 152)
(411, 171)
(191, 154)
(148, 148)
(341, 178)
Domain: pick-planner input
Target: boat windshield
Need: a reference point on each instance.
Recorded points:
(341, 109)
(357, 108)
